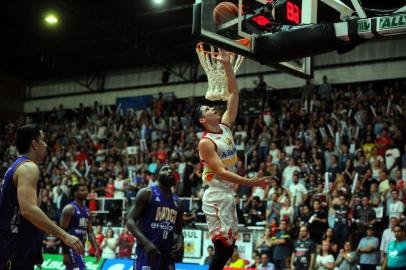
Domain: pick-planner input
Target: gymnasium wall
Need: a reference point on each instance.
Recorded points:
(368, 62)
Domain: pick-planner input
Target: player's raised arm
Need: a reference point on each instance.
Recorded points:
(212, 160)
(232, 104)
(27, 178)
(136, 211)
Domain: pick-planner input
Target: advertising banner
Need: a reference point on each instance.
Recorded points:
(118, 264)
(55, 262)
(193, 243)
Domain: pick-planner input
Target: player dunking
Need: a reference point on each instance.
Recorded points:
(156, 222)
(21, 220)
(218, 153)
(77, 221)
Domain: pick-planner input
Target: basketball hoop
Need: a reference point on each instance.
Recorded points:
(216, 74)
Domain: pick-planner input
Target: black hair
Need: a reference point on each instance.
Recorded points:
(24, 137)
(196, 115)
(76, 188)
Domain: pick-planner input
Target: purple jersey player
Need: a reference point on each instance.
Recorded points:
(156, 221)
(21, 220)
(77, 221)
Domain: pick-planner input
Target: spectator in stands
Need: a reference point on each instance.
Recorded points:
(317, 222)
(99, 236)
(281, 244)
(324, 260)
(125, 243)
(273, 208)
(303, 256)
(256, 210)
(236, 261)
(368, 248)
(347, 258)
(109, 245)
(264, 244)
(325, 89)
(396, 251)
(341, 221)
(265, 264)
(209, 258)
(364, 218)
(388, 236)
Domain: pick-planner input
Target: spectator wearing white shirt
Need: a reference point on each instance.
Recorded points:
(325, 260)
(387, 236)
(119, 187)
(287, 175)
(396, 207)
(275, 153)
(298, 191)
(392, 158)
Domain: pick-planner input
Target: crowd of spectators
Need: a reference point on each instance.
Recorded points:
(336, 155)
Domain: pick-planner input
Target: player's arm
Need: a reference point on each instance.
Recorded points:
(136, 211)
(212, 160)
(92, 237)
(232, 104)
(177, 249)
(27, 176)
(67, 213)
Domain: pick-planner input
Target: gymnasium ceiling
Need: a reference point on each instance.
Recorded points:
(95, 36)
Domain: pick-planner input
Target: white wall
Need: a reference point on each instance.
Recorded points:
(389, 49)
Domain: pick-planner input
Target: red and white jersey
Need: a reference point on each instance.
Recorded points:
(225, 148)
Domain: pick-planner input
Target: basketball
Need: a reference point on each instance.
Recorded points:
(224, 12)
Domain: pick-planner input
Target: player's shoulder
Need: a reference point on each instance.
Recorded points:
(27, 169)
(144, 193)
(69, 209)
(27, 166)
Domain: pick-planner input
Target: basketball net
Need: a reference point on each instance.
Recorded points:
(216, 74)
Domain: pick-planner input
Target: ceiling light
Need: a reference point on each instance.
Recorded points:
(51, 19)
(158, 2)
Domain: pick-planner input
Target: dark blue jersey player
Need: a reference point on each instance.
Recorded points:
(156, 222)
(21, 220)
(76, 220)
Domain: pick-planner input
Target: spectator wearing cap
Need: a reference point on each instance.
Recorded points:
(368, 248)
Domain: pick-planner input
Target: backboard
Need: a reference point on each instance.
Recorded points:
(256, 18)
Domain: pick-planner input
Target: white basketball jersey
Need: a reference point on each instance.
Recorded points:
(226, 151)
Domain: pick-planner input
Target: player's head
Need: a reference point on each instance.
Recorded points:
(30, 140)
(204, 115)
(166, 176)
(79, 192)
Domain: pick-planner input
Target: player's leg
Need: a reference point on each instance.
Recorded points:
(142, 261)
(76, 261)
(221, 216)
(222, 253)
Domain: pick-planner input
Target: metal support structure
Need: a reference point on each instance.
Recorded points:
(92, 79)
